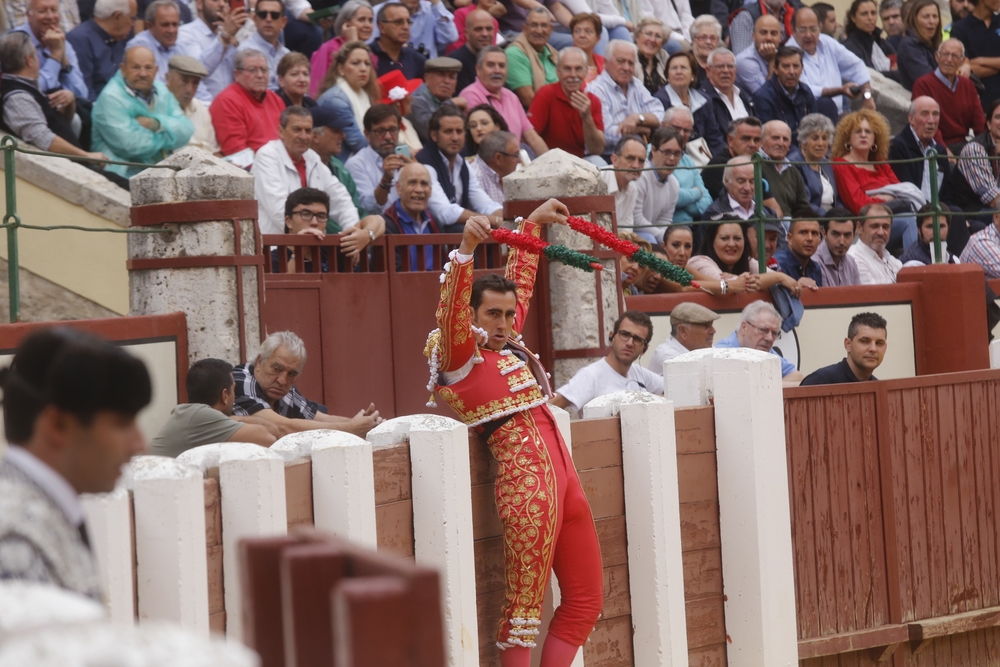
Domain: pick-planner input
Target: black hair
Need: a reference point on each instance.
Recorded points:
(662, 135)
(306, 196)
(788, 52)
(389, 5)
(991, 108)
(444, 111)
(872, 320)
(280, 2)
(379, 112)
(636, 317)
(837, 212)
(849, 25)
(491, 282)
(74, 371)
(620, 146)
(822, 10)
(734, 125)
(206, 379)
(708, 245)
(806, 213)
(498, 120)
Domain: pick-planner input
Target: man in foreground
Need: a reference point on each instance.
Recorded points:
(760, 326)
(618, 370)
(207, 417)
(865, 345)
(499, 388)
(690, 329)
(265, 388)
(69, 407)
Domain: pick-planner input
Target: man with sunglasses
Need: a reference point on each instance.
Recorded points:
(759, 328)
(617, 371)
(269, 19)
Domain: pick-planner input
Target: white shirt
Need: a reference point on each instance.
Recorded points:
(599, 378)
(666, 351)
(197, 40)
(830, 67)
(874, 270)
(366, 168)
(624, 200)
(204, 132)
(738, 210)
(273, 54)
(275, 177)
(52, 483)
(655, 202)
(736, 108)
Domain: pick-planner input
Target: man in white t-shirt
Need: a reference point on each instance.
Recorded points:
(617, 371)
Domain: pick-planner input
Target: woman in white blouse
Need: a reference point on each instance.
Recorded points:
(815, 134)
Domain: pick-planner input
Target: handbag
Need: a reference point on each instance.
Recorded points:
(698, 151)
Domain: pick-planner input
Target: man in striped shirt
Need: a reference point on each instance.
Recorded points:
(984, 249)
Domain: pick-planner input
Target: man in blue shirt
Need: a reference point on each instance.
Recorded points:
(100, 43)
(163, 22)
(60, 76)
(803, 239)
(759, 328)
(432, 25)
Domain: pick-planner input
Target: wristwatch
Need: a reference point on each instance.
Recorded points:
(642, 119)
(371, 236)
(867, 95)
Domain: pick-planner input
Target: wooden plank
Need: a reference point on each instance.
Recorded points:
(800, 450)
(980, 455)
(298, 493)
(702, 573)
(213, 513)
(485, 520)
(695, 428)
(611, 537)
(856, 640)
(700, 525)
(610, 643)
(954, 624)
(216, 594)
(822, 461)
(697, 477)
(392, 473)
(597, 443)
(934, 497)
(217, 623)
(953, 579)
(394, 527)
(708, 656)
(969, 594)
(617, 601)
(605, 490)
(706, 623)
(875, 576)
(489, 565)
(892, 471)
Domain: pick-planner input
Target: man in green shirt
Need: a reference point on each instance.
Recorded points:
(531, 60)
(208, 418)
(328, 141)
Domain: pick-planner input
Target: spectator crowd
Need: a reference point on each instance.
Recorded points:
(405, 117)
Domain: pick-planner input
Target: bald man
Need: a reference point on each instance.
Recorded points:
(755, 65)
(787, 186)
(409, 214)
(136, 118)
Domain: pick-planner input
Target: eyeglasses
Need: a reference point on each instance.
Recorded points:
(671, 154)
(399, 22)
(508, 154)
(706, 38)
(627, 336)
(308, 215)
(384, 131)
(812, 30)
(950, 56)
(727, 66)
(254, 70)
(764, 331)
(264, 14)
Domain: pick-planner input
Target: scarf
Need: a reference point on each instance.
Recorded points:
(537, 69)
(360, 102)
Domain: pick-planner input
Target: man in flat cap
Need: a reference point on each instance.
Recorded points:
(439, 86)
(184, 73)
(690, 329)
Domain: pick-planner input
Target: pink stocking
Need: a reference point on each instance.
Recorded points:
(557, 653)
(515, 656)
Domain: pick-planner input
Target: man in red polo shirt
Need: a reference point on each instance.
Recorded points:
(246, 114)
(564, 114)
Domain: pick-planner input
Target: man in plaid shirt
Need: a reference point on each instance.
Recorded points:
(984, 249)
(265, 387)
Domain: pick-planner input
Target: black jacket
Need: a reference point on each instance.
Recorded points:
(905, 147)
(722, 115)
(860, 44)
(55, 121)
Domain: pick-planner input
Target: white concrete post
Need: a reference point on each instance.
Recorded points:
(252, 497)
(343, 480)
(995, 354)
(653, 524)
(172, 571)
(757, 562)
(573, 297)
(217, 300)
(442, 519)
(109, 525)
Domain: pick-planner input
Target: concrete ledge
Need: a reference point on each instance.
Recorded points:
(611, 404)
(74, 183)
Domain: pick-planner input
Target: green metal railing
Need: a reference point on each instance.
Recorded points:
(12, 221)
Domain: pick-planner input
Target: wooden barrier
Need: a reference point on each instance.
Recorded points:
(894, 499)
